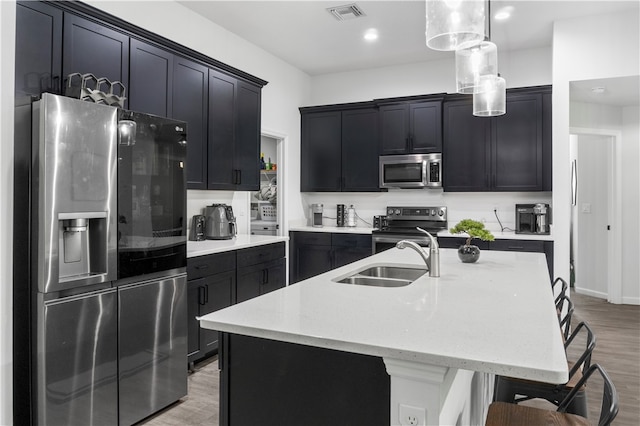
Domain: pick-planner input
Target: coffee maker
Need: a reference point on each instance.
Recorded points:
(533, 218)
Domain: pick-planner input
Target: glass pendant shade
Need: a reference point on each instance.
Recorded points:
(455, 24)
(473, 63)
(492, 99)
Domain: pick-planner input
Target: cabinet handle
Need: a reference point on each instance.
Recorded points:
(239, 176)
(201, 295)
(202, 267)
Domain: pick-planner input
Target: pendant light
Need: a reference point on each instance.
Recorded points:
(491, 100)
(473, 63)
(454, 24)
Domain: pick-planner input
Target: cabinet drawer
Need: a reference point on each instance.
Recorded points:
(518, 245)
(203, 266)
(260, 254)
(351, 240)
(312, 238)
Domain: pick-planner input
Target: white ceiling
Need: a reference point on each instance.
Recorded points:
(305, 35)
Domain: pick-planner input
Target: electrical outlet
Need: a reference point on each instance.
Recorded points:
(412, 416)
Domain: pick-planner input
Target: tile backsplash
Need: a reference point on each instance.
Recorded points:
(472, 205)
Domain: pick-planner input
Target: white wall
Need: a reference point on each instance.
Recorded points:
(288, 87)
(7, 65)
(587, 48)
(530, 67)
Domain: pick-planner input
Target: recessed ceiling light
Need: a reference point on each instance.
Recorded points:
(371, 34)
(503, 13)
(598, 90)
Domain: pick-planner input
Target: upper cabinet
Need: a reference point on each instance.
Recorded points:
(38, 49)
(221, 104)
(339, 149)
(234, 134)
(190, 98)
(411, 126)
(506, 153)
(89, 47)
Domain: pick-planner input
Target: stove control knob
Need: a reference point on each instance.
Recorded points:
(441, 213)
(397, 211)
(389, 211)
(433, 212)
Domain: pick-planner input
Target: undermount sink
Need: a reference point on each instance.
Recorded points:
(385, 276)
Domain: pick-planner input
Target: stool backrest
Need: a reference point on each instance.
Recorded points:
(564, 320)
(584, 361)
(609, 408)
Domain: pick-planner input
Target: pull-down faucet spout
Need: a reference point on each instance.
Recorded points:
(432, 258)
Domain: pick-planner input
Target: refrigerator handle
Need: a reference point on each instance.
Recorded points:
(574, 182)
(201, 296)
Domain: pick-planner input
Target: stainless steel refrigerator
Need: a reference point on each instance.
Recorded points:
(104, 347)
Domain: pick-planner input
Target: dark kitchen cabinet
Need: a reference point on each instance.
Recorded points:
(38, 49)
(210, 287)
(412, 127)
(89, 47)
(260, 270)
(533, 246)
(313, 253)
(339, 149)
(190, 98)
(506, 153)
(234, 133)
(151, 79)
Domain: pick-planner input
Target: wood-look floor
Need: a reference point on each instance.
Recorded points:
(617, 330)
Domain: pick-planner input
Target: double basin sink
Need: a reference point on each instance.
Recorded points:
(385, 276)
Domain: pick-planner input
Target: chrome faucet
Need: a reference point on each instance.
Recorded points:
(431, 259)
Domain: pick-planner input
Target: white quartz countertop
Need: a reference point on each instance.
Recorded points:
(495, 316)
(202, 248)
(333, 229)
(500, 235)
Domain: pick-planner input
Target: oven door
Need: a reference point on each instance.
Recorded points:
(382, 242)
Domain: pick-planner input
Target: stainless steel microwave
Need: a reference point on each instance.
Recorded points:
(411, 171)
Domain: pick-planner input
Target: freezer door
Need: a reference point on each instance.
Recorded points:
(76, 360)
(152, 346)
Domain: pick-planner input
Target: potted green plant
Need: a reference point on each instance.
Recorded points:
(467, 252)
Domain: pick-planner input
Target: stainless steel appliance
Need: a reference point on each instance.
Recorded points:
(401, 223)
(379, 222)
(532, 218)
(104, 318)
(152, 243)
(74, 261)
(315, 214)
(340, 215)
(411, 171)
(198, 223)
(221, 223)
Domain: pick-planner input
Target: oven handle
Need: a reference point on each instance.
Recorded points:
(378, 239)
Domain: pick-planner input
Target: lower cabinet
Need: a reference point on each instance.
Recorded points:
(313, 253)
(222, 279)
(533, 246)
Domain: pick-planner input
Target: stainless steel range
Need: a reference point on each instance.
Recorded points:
(401, 223)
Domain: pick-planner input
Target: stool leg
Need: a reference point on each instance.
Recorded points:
(579, 405)
(503, 392)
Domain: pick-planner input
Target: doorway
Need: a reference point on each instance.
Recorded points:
(592, 215)
(267, 204)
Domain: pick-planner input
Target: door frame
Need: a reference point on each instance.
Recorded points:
(614, 255)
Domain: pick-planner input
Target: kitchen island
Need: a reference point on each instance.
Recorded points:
(441, 339)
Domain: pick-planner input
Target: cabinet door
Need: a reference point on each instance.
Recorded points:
(190, 96)
(247, 142)
(320, 152)
(194, 288)
(151, 79)
(547, 137)
(394, 129)
(92, 48)
(517, 145)
(360, 150)
(425, 124)
(276, 276)
(217, 294)
(38, 48)
(222, 105)
(466, 151)
(250, 280)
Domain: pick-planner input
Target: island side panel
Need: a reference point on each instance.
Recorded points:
(268, 382)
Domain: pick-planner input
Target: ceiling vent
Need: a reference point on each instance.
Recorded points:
(348, 11)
